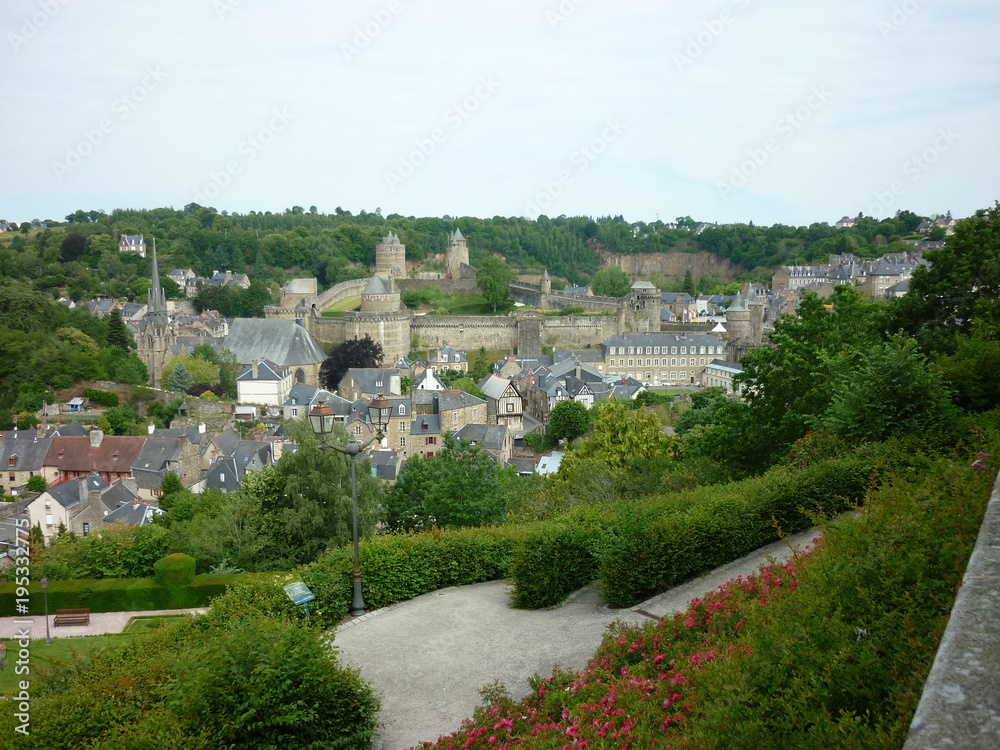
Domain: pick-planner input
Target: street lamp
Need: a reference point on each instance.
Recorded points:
(321, 420)
(45, 590)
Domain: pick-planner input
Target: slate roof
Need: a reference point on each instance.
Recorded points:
(448, 354)
(385, 464)
(132, 513)
(28, 455)
(266, 370)
(662, 339)
(490, 436)
(67, 494)
(283, 342)
(426, 424)
(223, 475)
(549, 463)
(247, 449)
(493, 387)
(226, 441)
(722, 364)
(366, 379)
(376, 285)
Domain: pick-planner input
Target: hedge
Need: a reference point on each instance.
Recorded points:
(649, 557)
(124, 594)
(101, 398)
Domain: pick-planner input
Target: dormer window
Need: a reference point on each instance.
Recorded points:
(402, 409)
(378, 383)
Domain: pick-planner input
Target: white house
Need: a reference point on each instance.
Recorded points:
(264, 383)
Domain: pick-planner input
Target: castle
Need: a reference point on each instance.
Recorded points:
(384, 318)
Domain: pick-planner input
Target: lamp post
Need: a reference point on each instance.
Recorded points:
(45, 590)
(321, 420)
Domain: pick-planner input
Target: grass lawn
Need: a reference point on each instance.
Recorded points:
(60, 651)
(338, 309)
(145, 623)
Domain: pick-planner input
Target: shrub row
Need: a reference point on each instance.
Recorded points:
(124, 594)
(101, 398)
(396, 567)
(659, 542)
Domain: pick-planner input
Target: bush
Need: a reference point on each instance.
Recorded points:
(101, 398)
(552, 561)
(174, 570)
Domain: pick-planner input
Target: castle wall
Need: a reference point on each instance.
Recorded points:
(574, 332)
(465, 333)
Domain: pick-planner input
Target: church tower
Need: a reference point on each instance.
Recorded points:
(155, 343)
(738, 324)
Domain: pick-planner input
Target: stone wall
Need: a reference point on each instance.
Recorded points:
(465, 333)
(672, 264)
(574, 332)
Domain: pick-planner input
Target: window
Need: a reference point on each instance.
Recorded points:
(684, 350)
(48, 519)
(378, 382)
(295, 411)
(683, 362)
(12, 461)
(402, 409)
(402, 441)
(86, 529)
(673, 361)
(631, 363)
(510, 407)
(431, 440)
(631, 350)
(649, 350)
(357, 429)
(454, 417)
(430, 454)
(13, 478)
(673, 350)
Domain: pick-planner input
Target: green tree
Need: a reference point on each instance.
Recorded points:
(37, 483)
(229, 370)
(480, 366)
(886, 391)
(457, 487)
(199, 370)
(611, 282)
(960, 286)
(468, 385)
(352, 353)
(180, 378)
(493, 279)
(569, 419)
(118, 334)
(688, 284)
(121, 420)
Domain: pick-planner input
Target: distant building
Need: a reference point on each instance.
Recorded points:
(132, 243)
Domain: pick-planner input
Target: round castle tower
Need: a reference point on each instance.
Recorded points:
(390, 257)
(458, 254)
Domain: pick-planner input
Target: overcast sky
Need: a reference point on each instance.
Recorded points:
(789, 111)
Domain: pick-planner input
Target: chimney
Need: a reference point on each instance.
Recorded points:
(96, 436)
(436, 405)
(150, 428)
(254, 366)
(201, 428)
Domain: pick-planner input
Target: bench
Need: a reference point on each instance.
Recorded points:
(72, 617)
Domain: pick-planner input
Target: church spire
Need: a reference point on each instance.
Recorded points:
(156, 315)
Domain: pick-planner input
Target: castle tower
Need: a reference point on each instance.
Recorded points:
(458, 254)
(390, 257)
(756, 307)
(155, 344)
(546, 282)
(644, 302)
(738, 342)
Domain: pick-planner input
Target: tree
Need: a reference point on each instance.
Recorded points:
(468, 385)
(885, 391)
(352, 353)
(961, 284)
(118, 333)
(480, 366)
(229, 370)
(200, 370)
(569, 419)
(611, 282)
(457, 487)
(37, 483)
(688, 285)
(493, 279)
(180, 378)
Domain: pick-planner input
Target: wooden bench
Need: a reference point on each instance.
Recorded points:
(72, 617)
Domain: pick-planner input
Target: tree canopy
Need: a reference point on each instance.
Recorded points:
(610, 282)
(493, 278)
(352, 353)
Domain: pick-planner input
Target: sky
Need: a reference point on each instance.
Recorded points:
(771, 111)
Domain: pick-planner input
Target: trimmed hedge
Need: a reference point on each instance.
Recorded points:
(125, 594)
(648, 557)
(101, 398)
(176, 569)
(639, 548)
(396, 567)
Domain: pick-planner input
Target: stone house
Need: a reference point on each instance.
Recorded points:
(368, 382)
(504, 403)
(162, 455)
(446, 358)
(22, 456)
(80, 505)
(110, 456)
(494, 439)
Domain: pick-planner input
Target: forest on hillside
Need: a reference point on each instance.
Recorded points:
(78, 256)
